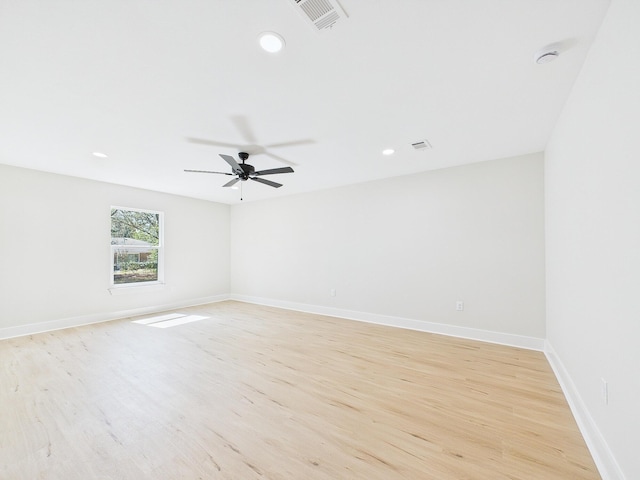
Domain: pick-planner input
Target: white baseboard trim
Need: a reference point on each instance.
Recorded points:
(600, 451)
(33, 328)
(529, 343)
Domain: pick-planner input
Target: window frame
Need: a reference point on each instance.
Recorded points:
(159, 248)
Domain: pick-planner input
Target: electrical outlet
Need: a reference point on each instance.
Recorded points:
(605, 391)
(459, 305)
(332, 292)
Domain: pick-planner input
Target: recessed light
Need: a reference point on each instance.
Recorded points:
(271, 42)
(235, 187)
(100, 155)
(388, 151)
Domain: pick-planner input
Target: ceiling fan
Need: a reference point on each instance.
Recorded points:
(244, 171)
(249, 142)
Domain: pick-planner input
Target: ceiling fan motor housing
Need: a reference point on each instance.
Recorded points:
(247, 169)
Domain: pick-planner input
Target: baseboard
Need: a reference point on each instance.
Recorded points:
(600, 451)
(529, 343)
(22, 330)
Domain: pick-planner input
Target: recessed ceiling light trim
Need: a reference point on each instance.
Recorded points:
(271, 42)
(100, 155)
(388, 151)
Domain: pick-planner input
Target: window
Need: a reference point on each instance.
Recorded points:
(136, 246)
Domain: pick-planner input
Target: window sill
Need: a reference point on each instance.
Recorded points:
(132, 288)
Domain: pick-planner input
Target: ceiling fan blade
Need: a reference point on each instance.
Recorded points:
(273, 171)
(234, 165)
(232, 182)
(242, 125)
(280, 159)
(266, 182)
(207, 171)
(294, 143)
(214, 143)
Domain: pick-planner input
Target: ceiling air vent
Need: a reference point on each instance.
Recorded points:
(322, 14)
(420, 145)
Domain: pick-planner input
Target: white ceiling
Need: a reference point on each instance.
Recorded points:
(136, 79)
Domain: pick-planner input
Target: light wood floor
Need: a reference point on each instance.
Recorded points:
(261, 393)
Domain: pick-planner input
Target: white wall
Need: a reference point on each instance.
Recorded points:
(593, 237)
(54, 242)
(406, 247)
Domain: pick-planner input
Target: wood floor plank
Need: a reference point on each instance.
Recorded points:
(255, 392)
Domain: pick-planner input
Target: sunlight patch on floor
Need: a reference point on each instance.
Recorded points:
(169, 320)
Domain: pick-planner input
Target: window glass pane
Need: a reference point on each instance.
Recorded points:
(133, 265)
(130, 227)
(136, 246)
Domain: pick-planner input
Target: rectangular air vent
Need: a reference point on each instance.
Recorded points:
(321, 14)
(420, 145)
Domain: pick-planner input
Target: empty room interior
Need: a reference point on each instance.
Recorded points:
(319, 239)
